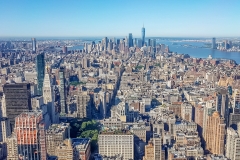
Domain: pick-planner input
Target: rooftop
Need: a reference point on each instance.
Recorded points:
(80, 143)
(116, 132)
(57, 128)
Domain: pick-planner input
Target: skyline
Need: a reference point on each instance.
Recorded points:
(119, 18)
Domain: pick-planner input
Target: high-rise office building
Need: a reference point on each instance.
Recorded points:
(110, 46)
(62, 90)
(17, 100)
(105, 41)
(233, 144)
(214, 43)
(40, 68)
(149, 42)
(64, 49)
(226, 46)
(139, 43)
(153, 41)
(135, 42)
(130, 40)
(143, 36)
(222, 101)
(34, 45)
(215, 133)
(30, 134)
(49, 96)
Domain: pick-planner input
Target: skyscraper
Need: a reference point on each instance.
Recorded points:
(222, 101)
(149, 42)
(40, 68)
(17, 100)
(34, 45)
(130, 40)
(143, 36)
(30, 134)
(48, 96)
(213, 43)
(64, 49)
(215, 133)
(105, 43)
(62, 90)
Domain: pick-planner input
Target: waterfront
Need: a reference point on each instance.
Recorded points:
(196, 51)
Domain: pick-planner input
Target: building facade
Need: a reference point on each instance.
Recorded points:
(55, 135)
(233, 144)
(17, 100)
(114, 143)
(83, 105)
(30, 135)
(214, 135)
(62, 90)
(49, 97)
(143, 36)
(40, 69)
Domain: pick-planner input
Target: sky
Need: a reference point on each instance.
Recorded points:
(98, 18)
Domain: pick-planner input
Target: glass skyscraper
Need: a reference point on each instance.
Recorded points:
(34, 44)
(40, 68)
(62, 90)
(143, 36)
(130, 40)
(213, 43)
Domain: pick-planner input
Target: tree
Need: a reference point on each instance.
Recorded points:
(84, 126)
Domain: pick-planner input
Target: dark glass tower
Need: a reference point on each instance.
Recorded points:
(17, 100)
(40, 68)
(130, 40)
(34, 44)
(143, 36)
(62, 90)
(214, 43)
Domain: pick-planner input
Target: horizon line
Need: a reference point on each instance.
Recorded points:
(118, 37)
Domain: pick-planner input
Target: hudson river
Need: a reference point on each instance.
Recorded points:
(195, 51)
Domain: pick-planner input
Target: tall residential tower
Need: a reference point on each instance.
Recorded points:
(214, 43)
(143, 35)
(62, 90)
(40, 68)
(34, 45)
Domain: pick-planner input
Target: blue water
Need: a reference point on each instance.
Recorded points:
(76, 48)
(200, 52)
